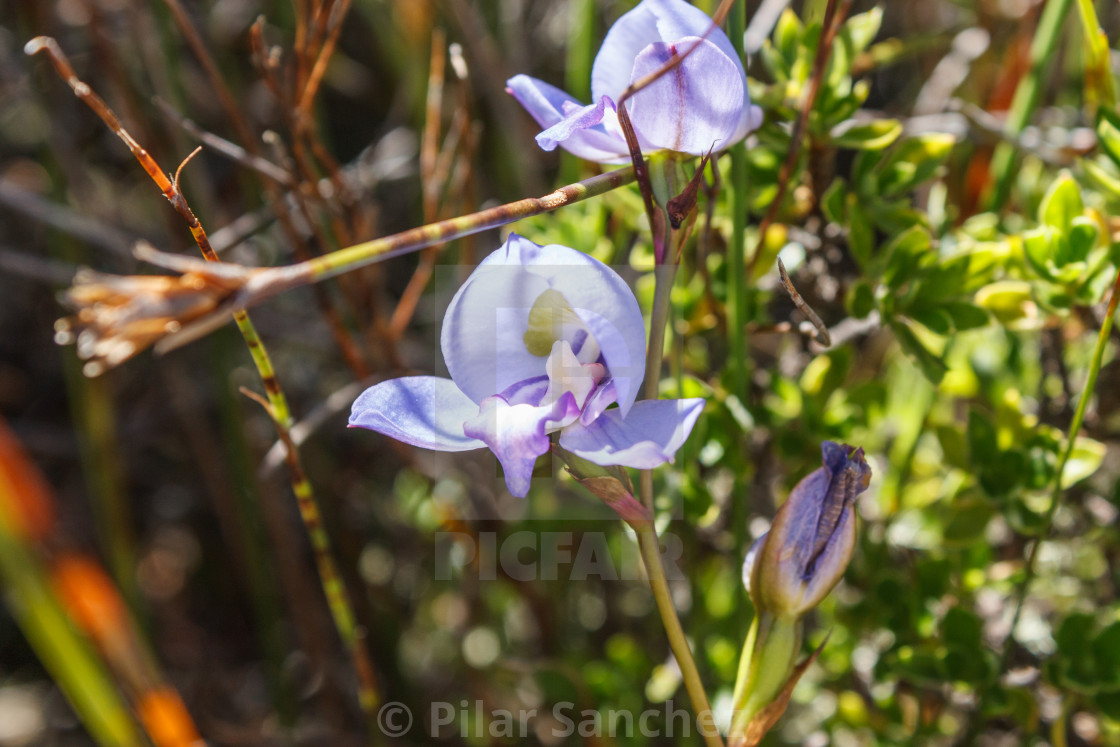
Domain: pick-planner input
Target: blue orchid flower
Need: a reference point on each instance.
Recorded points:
(539, 340)
(700, 104)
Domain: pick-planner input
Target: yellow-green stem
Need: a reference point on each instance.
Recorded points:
(678, 643)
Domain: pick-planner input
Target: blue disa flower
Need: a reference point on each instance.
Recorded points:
(700, 104)
(539, 340)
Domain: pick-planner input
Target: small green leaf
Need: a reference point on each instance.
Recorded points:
(965, 315)
(860, 301)
(931, 365)
(832, 202)
(1083, 233)
(934, 319)
(913, 161)
(787, 35)
(863, 174)
(962, 273)
(1061, 204)
(1108, 134)
(1039, 248)
(863, 28)
(1085, 460)
(898, 177)
(874, 135)
(1102, 177)
(904, 254)
(860, 232)
(774, 63)
(1007, 300)
(845, 106)
(1071, 272)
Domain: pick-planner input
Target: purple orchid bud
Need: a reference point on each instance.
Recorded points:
(539, 340)
(700, 105)
(791, 568)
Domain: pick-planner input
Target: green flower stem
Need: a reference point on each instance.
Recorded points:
(743, 674)
(736, 271)
(1056, 488)
(667, 179)
(774, 643)
(738, 374)
(665, 275)
(1026, 97)
(651, 556)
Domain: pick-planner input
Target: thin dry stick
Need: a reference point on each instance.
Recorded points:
(277, 404)
(346, 345)
(307, 95)
(822, 335)
(176, 309)
(232, 151)
(833, 20)
(435, 173)
(217, 83)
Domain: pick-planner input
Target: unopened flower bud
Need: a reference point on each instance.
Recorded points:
(792, 567)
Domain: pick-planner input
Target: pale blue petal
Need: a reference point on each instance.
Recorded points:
(518, 434)
(694, 108)
(750, 121)
(425, 411)
(567, 123)
(483, 336)
(649, 436)
(651, 21)
(603, 397)
(527, 392)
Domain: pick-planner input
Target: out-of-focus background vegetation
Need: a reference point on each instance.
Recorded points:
(954, 232)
